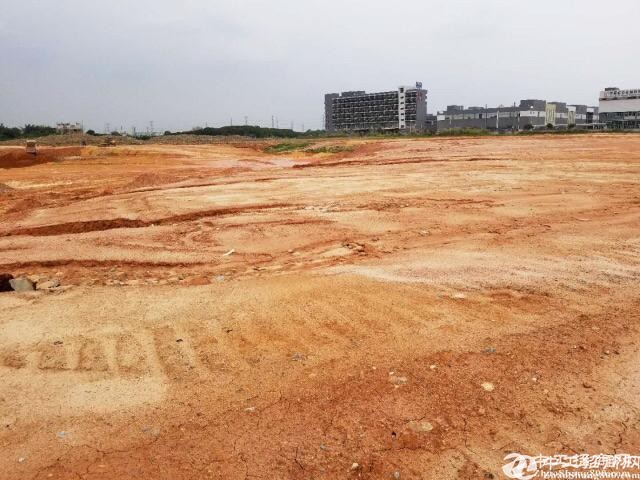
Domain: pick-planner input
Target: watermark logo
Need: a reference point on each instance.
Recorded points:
(520, 467)
(525, 467)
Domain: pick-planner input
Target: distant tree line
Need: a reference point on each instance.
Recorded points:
(244, 131)
(28, 131)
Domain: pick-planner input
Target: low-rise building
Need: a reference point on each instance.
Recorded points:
(65, 128)
(528, 114)
(620, 109)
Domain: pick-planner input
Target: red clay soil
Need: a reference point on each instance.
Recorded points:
(19, 158)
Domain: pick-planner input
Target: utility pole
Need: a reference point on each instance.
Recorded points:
(245, 120)
(272, 121)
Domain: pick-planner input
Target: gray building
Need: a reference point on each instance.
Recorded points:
(527, 114)
(620, 109)
(404, 109)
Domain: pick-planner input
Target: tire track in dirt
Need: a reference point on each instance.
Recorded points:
(102, 225)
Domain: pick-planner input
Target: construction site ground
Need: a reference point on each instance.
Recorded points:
(399, 308)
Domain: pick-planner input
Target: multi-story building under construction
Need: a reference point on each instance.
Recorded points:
(404, 109)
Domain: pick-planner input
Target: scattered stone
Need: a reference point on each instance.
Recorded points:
(355, 466)
(5, 286)
(230, 252)
(396, 475)
(21, 284)
(424, 233)
(482, 411)
(61, 434)
(487, 386)
(433, 366)
(21, 459)
(36, 278)
(48, 284)
(398, 380)
(459, 296)
(587, 385)
(490, 350)
(298, 357)
(219, 278)
(420, 427)
(250, 409)
(62, 288)
(132, 283)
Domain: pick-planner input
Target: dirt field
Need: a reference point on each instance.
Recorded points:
(411, 309)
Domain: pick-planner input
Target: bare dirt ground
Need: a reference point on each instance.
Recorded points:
(411, 309)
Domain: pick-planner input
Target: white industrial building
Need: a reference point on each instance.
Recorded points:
(620, 109)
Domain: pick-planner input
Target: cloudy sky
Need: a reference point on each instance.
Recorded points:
(196, 62)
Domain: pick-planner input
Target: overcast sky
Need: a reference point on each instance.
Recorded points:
(193, 62)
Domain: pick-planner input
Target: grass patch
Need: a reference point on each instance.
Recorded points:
(286, 147)
(330, 149)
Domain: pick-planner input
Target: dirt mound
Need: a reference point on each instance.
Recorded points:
(18, 158)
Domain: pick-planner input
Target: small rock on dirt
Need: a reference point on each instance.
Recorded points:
(47, 284)
(487, 386)
(396, 380)
(21, 284)
(420, 426)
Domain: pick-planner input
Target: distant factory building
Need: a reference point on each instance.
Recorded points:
(529, 114)
(620, 109)
(65, 128)
(404, 109)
